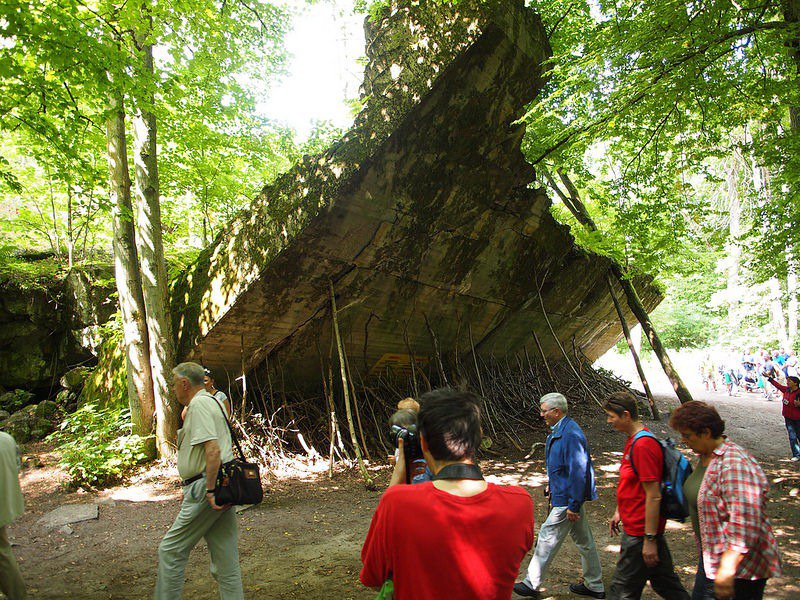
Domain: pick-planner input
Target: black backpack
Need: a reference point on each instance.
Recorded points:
(677, 469)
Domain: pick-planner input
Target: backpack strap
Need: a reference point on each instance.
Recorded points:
(641, 434)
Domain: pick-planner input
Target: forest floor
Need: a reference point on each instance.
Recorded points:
(304, 540)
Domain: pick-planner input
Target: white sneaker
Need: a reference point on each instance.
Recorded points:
(795, 458)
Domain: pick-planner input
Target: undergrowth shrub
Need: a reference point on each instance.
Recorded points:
(97, 447)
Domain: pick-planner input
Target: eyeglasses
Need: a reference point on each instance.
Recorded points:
(544, 411)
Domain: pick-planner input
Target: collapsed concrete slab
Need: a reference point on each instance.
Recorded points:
(421, 219)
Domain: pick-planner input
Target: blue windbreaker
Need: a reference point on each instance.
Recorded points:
(569, 466)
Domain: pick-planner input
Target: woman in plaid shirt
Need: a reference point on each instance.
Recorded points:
(727, 494)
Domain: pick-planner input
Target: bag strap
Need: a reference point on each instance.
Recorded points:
(230, 428)
(641, 434)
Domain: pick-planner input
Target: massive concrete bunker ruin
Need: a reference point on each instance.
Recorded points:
(421, 219)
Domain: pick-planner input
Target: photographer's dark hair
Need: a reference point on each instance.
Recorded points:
(450, 420)
(619, 402)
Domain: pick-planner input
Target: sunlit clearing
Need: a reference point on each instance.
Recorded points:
(614, 548)
(139, 494)
(609, 468)
(517, 479)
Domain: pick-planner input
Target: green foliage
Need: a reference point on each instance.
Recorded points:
(26, 272)
(97, 447)
(683, 326)
(642, 93)
(14, 400)
(61, 62)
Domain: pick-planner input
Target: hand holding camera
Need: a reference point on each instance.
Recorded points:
(404, 435)
(399, 471)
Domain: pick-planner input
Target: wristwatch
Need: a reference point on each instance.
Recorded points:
(650, 536)
(210, 492)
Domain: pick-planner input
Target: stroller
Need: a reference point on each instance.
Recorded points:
(750, 379)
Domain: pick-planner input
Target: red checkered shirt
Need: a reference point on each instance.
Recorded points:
(731, 506)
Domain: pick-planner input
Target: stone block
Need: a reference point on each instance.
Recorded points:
(74, 379)
(15, 400)
(46, 410)
(69, 513)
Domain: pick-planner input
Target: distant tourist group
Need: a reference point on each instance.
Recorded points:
(441, 530)
(773, 373)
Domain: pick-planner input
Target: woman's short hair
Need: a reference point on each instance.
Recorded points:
(696, 416)
(619, 402)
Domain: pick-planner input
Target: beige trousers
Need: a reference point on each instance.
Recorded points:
(10, 578)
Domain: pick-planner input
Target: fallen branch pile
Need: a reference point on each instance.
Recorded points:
(280, 425)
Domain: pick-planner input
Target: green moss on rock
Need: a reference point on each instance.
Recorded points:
(106, 386)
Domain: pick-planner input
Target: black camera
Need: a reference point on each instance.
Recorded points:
(412, 451)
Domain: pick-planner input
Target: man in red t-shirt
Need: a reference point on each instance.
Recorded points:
(456, 536)
(644, 555)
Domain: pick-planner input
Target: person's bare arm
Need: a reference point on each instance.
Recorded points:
(613, 525)
(652, 512)
(213, 462)
(726, 573)
(399, 471)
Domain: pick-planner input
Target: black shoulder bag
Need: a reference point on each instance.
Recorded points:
(238, 481)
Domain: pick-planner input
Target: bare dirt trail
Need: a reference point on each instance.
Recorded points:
(304, 540)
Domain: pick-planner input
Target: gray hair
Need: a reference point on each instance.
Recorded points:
(191, 371)
(554, 400)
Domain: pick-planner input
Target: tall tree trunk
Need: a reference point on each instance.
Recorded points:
(348, 410)
(734, 252)
(632, 347)
(776, 311)
(791, 14)
(639, 311)
(153, 267)
(70, 232)
(126, 269)
(791, 295)
(574, 203)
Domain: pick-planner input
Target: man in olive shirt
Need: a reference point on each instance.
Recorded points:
(204, 444)
(11, 507)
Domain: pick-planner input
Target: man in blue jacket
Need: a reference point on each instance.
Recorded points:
(571, 483)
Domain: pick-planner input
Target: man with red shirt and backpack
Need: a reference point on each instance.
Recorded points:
(456, 536)
(791, 411)
(644, 554)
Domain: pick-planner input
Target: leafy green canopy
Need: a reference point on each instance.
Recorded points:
(643, 94)
(62, 60)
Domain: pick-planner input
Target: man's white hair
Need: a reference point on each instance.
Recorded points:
(554, 400)
(191, 371)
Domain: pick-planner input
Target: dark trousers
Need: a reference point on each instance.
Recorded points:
(793, 429)
(743, 589)
(631, 574)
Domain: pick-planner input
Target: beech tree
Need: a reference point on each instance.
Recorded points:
(92, 64)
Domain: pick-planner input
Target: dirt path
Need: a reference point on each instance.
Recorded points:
(304, 540)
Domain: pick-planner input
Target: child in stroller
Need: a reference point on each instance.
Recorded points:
(750, 379)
